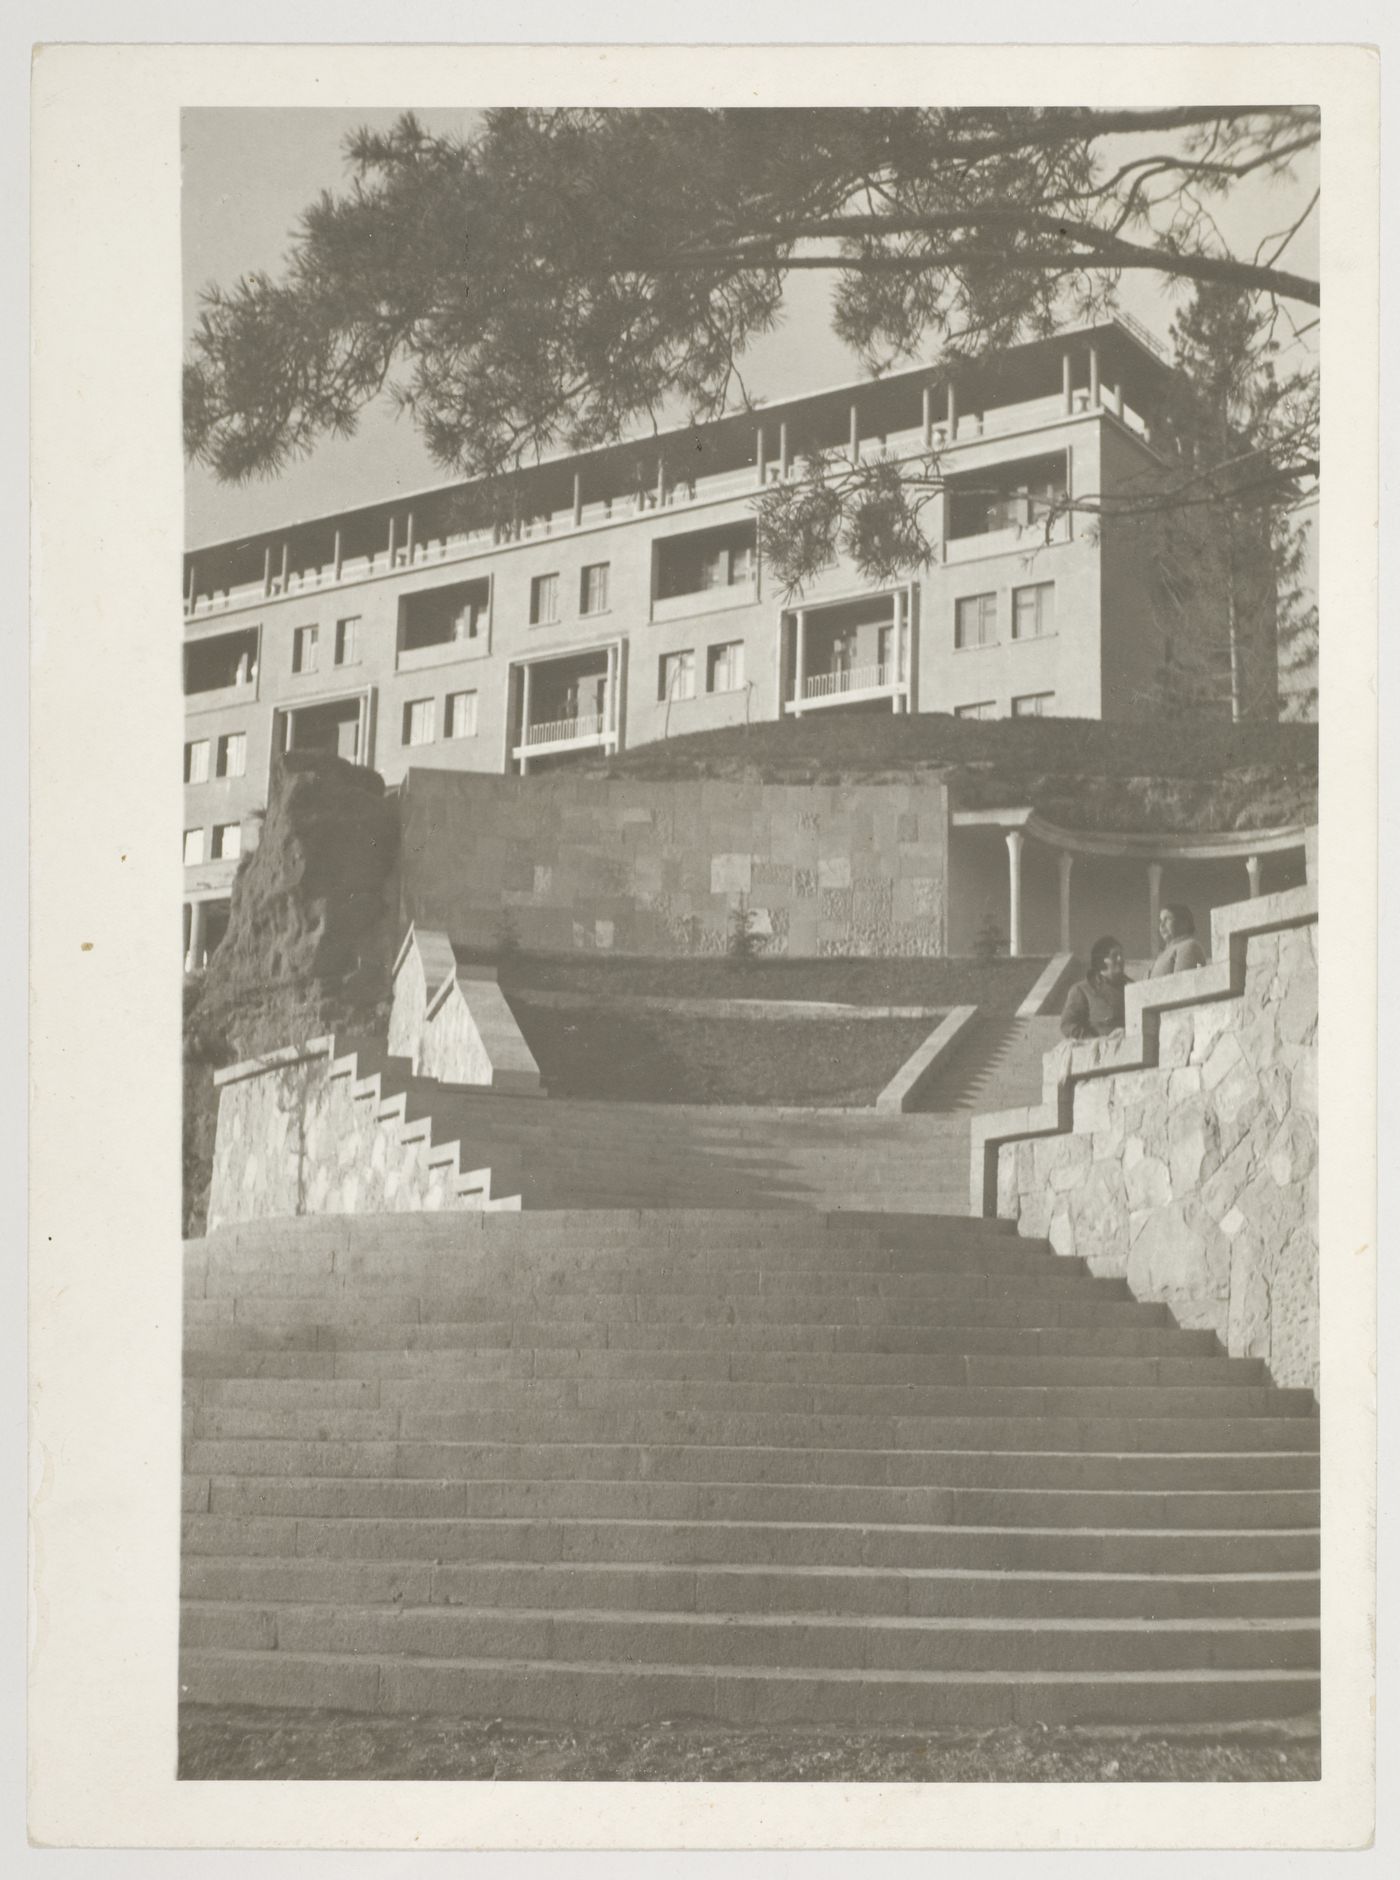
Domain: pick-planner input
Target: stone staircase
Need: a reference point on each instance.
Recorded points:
(786, 1469)
(998, 1066)
(578, 1153)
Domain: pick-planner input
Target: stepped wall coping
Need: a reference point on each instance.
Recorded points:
(914, 1075)
(278, 1060)
(1074, 1062)
(1050, 988)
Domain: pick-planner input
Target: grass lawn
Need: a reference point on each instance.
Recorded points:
(656, 1057)
(998, 986)
(318, 1746)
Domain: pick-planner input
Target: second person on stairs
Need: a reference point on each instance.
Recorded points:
(1094, 1007)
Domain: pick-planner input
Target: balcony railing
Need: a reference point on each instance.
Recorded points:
(872, 678)
(567, 730)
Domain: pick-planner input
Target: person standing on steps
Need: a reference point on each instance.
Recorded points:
(1181, 950)
(1094, 1007)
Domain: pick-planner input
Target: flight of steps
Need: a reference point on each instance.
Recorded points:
(752, 1468)
(580, 1153)
(997, 1066)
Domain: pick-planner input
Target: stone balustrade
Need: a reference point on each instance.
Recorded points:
(1182, 1155)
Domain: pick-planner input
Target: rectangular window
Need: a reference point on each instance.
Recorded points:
(984, 708)
(304, 645)
(461, 714)
(194, 847)
(593, 589)
(975, 621)
(224, 660)
(232, 754)
(1007, 496)
(1032, 704)
(676, 676)
(347, 641)
(228, 841)
(724, 667)
(708, 559)
(452, 618)
(1033, 611)
(197, 761)
(419, 721)
(544, 600)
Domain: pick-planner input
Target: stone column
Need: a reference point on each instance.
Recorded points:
(1252, 870)
(1013, 855)
(1067, 382)
(267, 571)
(952, 413)
(1118, 399)
(800, 663)
(194, 959)
(286, 557)
(761, 453)
(610, 706)
(1093, 377)
(190, 592)
(578, 500)
(408, 540)
(1154, 904)
(339, 555)
(928, 417)
(855, 432)
(783, 450)
(524, 720)
(1066, 867)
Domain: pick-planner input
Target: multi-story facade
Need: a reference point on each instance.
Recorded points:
(627, 600)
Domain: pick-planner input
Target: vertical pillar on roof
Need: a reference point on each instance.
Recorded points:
(190, 591)
(800, 663)
(928, 417)
(1093, 377)
(267, 570)
(761, 457)
(855, 432)
(285, 561)
(783, 450)
(391, 541)
(408, 540)
(1154, 904)
(339, 555)
(1067, 381)
(578, 500)
(1252, 869)
(952, 412)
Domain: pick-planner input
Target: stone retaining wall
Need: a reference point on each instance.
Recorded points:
(300, 1132)
(558, 863)
(1195, 1176)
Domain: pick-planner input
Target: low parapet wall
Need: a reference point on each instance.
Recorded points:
(1182, 1155)
(455, 1026)
(308, 1130)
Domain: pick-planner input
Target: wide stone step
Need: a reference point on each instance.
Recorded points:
(648, 1426)
(233, 1338)
(1088, 1308)
(734, 1287)
(459, 1396)
(755, 1640)
(760, 1543)
(550, 1265)
(598, 1694)
(1250, 1472)
(394, 1498)
(947, 1592)
(859, 1369)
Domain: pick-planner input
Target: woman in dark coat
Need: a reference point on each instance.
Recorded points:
(1094, 1008)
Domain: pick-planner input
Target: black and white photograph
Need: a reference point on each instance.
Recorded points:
(750, 1208)
(750, 767)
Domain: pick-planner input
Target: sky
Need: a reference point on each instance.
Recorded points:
(248, 174)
